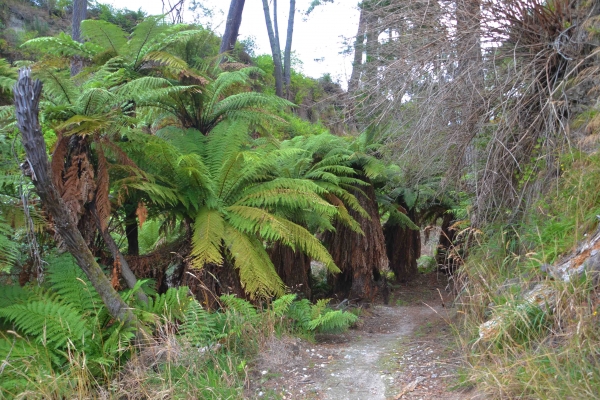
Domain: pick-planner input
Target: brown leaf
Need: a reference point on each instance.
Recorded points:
(57, 165)
(142, 213)
(102, 200)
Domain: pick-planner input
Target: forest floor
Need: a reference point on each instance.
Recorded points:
(404, 350)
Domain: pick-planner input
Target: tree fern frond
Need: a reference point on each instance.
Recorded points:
(62, 45)
(286, 197)
(104, 34)
(274, 228)
(166, 60)
(58, 88)
(257, 273)
(95, 100)
(209, 232)
(84, 125)
(143, 36)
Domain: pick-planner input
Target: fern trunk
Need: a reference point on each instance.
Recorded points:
(403, 247)
(293, 267)
(131, 230)
(27, 96)
(360, 257)
(126, 272)
(212, 281)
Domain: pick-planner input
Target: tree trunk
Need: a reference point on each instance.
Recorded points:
(131, 230)
(360, 257)
(287, 61)
(126, 272)
(444, 261)
(359, 48)
(293, 267)
(210, 282)
(403, 246)
(27, 96)
(232, 28)
(469, 70)
(275, 50)
(79, 14)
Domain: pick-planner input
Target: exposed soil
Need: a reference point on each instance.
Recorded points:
(404, 350)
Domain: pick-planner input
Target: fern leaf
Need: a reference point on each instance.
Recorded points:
(274, 228)
(104, 34)
(257, 273)
(209, 231)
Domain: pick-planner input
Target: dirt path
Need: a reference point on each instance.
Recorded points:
(405, 350)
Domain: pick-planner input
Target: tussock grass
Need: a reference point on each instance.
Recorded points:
(548, 350)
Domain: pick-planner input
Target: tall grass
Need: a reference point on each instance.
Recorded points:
(549, 350)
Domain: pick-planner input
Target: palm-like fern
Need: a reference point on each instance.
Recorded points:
(202, 102)
(328, 161)
(229, 190)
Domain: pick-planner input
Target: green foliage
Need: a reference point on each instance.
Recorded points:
(9, 250)
(55, 322)
(226, 183)
(319, 317)
(8, 77)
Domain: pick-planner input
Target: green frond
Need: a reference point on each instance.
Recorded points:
(165, 59)
(72, 285)
(209, 233)
(9, 249)
(274, 228)
(145, 34)
(13, 294)
(198, 326)
(62, 45)
(273, 197)
(104, 34)
(281, 306)
(8, 76)
(333, 321)
(171, 304)
(239, 306)
(175, 37)
(84, 125)
(95, 100)
(58, 87)
(143, 87)
(401, 219)
(257, 273)
(51, 323)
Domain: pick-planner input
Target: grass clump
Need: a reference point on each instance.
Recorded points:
(541, 337)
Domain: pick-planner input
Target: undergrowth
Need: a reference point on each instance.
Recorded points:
(58, 340)
(545, 349)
